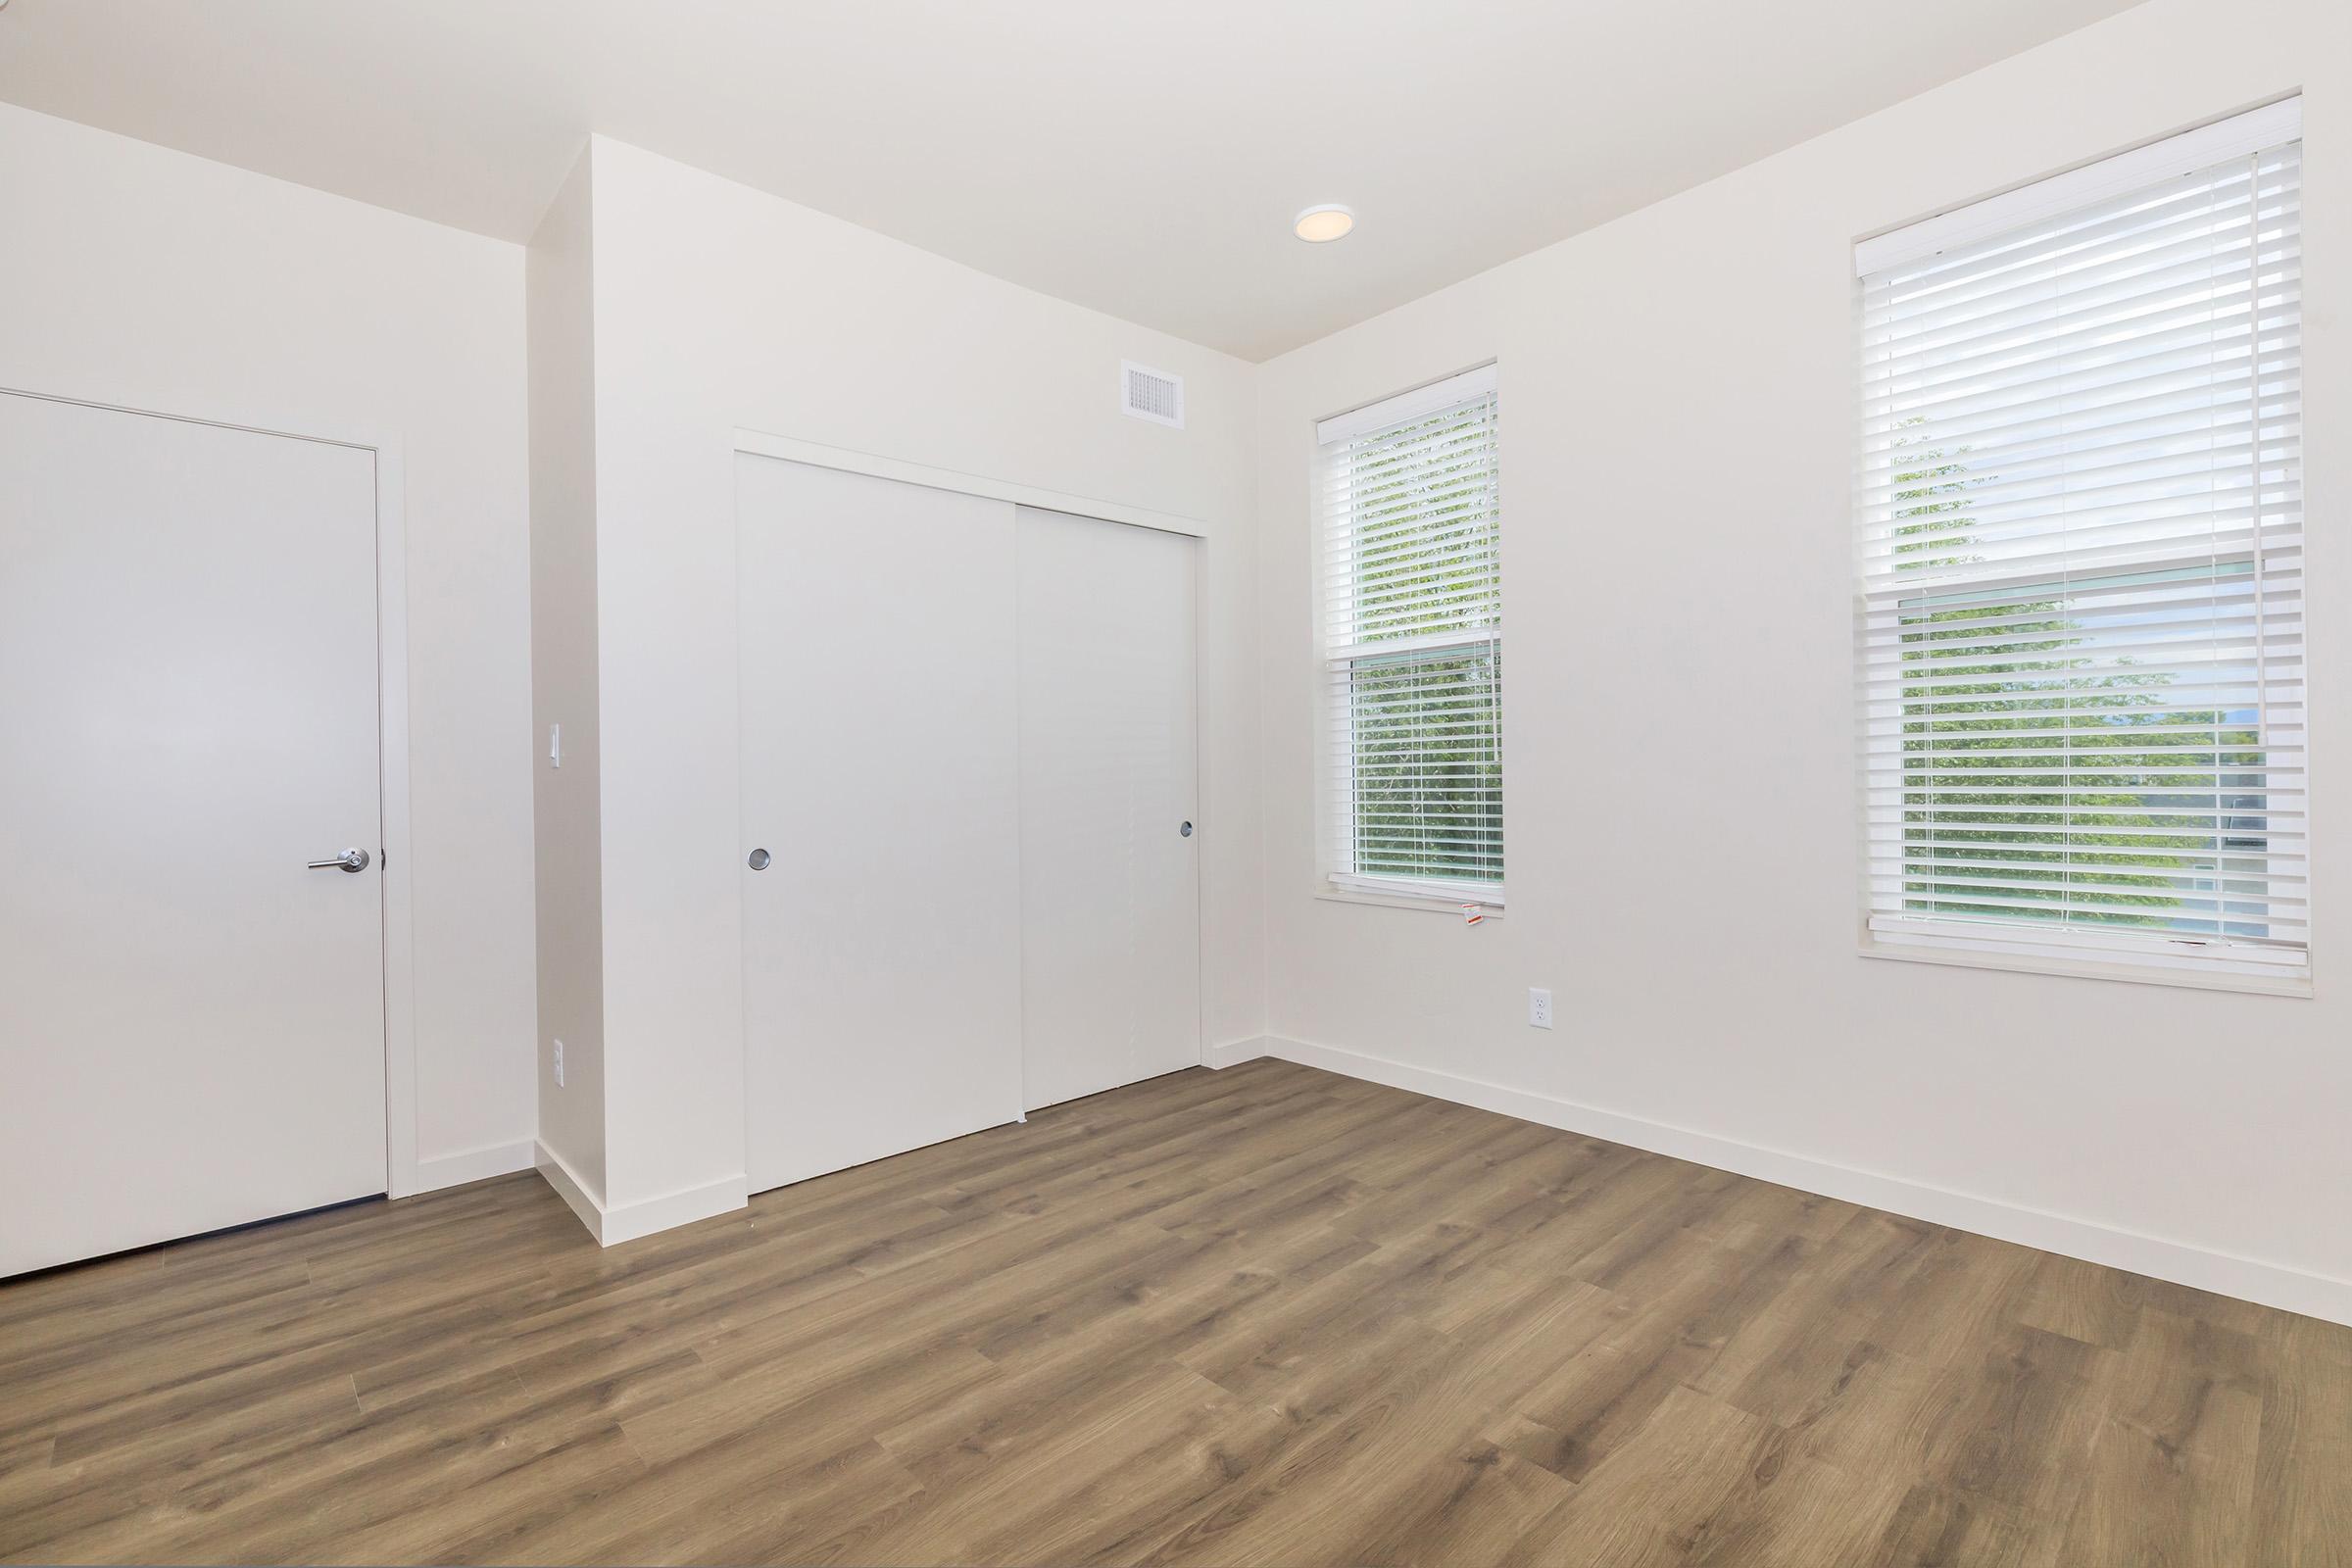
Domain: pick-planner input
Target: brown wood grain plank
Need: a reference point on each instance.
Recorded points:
(1265, 1315)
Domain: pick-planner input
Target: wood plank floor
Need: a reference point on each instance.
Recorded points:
(1265, 1315)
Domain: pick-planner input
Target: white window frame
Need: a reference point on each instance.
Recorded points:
(1336, 826)
(2087, 951)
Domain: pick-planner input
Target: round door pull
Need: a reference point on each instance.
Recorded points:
(1185, 831)
(757, 860)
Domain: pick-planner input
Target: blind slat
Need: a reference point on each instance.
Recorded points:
(1411, 601)
(2079, 642)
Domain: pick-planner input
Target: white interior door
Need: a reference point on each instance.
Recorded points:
(882, 968)
(191, 1028)
(1110, 940)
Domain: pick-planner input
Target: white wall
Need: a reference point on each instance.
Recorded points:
(1680, 773)
(1678, 395)
(718, 307)
(145, 277)
(568, 854)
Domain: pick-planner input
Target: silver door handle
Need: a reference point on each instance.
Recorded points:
(347, 861)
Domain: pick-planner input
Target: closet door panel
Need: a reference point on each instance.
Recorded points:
(880, 733)
(1110, 809)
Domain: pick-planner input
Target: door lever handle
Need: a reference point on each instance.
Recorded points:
(347, 861)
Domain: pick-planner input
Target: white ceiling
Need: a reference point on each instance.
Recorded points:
(1144, 159)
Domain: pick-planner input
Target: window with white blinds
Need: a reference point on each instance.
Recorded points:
(2082, 569)
(1412, 593)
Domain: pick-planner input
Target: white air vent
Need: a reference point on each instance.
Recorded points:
(1150, 394)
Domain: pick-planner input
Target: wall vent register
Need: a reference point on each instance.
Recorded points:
(1150, 394)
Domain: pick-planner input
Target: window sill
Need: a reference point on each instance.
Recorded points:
(2297, 984)
(1428, 903)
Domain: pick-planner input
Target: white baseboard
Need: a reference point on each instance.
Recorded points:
(2225, 1274)
(612, 1226)
(1232, 1052)
(570, 1187)
(672, 1209)
(474, 1165)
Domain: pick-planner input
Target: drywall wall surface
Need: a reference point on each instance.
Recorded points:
(145, 277)
(564, 688)
(720, 308)
(1678, 415)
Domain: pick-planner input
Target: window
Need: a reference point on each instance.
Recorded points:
(2081, 570)
(1412, 640)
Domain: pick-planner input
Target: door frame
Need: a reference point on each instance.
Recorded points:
(761, 444)
(393, 885)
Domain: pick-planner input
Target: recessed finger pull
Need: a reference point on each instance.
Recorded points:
(757, 860)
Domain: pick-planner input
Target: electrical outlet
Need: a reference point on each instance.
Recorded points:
(1539, 1008)
(559, 1064)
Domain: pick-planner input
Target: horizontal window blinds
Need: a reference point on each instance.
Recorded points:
(2082, 572)
(1412, 623)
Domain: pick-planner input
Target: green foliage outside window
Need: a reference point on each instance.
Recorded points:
(1424, 722)
(2107, 857)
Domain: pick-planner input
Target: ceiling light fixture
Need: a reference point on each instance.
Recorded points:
(1320, 225)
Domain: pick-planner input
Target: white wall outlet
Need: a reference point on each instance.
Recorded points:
(1539, 1008)
(559, 1064)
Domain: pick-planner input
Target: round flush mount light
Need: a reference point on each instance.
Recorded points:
(1320, 225)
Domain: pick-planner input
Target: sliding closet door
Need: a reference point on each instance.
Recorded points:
(1109, 890)
(882, 965)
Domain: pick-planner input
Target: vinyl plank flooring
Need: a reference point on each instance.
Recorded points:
(1265, 1315)
(2302, 1512)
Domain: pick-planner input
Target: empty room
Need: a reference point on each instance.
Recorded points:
(760, 800)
